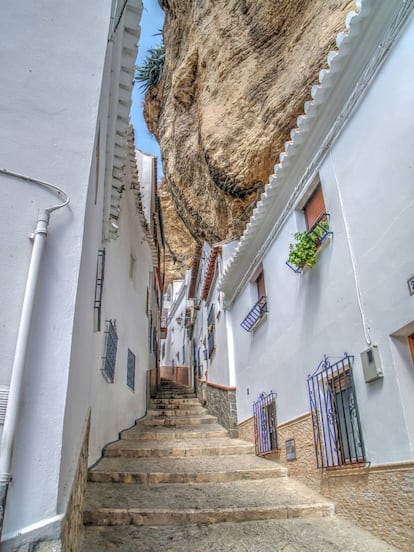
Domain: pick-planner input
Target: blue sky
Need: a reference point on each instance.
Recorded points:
(151, 23)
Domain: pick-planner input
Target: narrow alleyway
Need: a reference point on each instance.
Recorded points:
(177, 482)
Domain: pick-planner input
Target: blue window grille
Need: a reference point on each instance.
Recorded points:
(335, 418)
(317, 234)
(97, 303)
(264, 416)
(111, 346)
(210, 331)
(131, 370)
(255, 314)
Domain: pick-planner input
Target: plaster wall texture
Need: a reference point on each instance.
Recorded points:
(49, 104)
(116, 406)
(145, 163)
(367, 185)
(176, 333)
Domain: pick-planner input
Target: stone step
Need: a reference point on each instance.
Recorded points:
(174, 395)
(289, 535)
(178, 421)
(174, 403)
(161, 433)
(171, 412)
(184, 470)
(179, 447)
(125, 504)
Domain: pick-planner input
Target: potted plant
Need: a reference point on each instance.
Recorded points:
(303, 251)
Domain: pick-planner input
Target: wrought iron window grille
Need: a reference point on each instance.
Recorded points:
(255, 314)
(131, 370)
(210, 332)
(335, 417)
(317, 234)
(97, 304)
(265, 423)
(111, 347)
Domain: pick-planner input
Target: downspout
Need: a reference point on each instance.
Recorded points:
(39, 240)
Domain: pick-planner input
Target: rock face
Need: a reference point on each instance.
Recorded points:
(236, 76)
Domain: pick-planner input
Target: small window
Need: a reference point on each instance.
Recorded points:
(260, 284)
(131, 267)
(259, 309)
(111, 347)
(314, 208)
(131, 370)
(411, 344)
(264, 417)
(210, 331)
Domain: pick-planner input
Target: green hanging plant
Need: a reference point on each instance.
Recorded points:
(303, 251)
(151, 72)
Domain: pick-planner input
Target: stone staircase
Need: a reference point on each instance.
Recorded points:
(177, 482)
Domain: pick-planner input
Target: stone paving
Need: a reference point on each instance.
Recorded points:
(177, 482)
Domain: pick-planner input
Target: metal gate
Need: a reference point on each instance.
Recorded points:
(335, 419)
(264, 415)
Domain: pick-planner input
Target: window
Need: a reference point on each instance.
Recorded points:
(303, 251)
(210, 330)
(259, 309)
(335, 417)
(411, 345)
(130, 381)
(314, 208)
(111, 346)
(131, 267)
(264, 415)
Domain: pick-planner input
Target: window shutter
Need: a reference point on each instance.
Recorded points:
(314, 208)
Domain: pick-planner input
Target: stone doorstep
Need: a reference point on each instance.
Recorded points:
(109, 516)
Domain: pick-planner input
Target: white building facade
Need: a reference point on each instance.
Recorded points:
(331, 345)
(66, 99)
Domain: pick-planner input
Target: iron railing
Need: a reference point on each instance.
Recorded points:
(335, 418)
(97, 304)
(111, 346)
(255, 314)
(264, 416)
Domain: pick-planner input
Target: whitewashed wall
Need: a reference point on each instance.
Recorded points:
(50, 99)
(370, 169)
(177, 337)
(53, 93)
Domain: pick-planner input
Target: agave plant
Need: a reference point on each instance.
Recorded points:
(151, 72)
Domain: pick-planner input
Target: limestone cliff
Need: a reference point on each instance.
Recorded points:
(236, 76)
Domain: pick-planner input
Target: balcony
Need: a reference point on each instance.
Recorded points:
(255, 315)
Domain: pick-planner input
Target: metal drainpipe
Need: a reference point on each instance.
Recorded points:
(39, 240)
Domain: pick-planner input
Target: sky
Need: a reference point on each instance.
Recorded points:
(151, 23)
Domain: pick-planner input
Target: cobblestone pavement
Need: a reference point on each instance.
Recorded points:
(176, 482)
